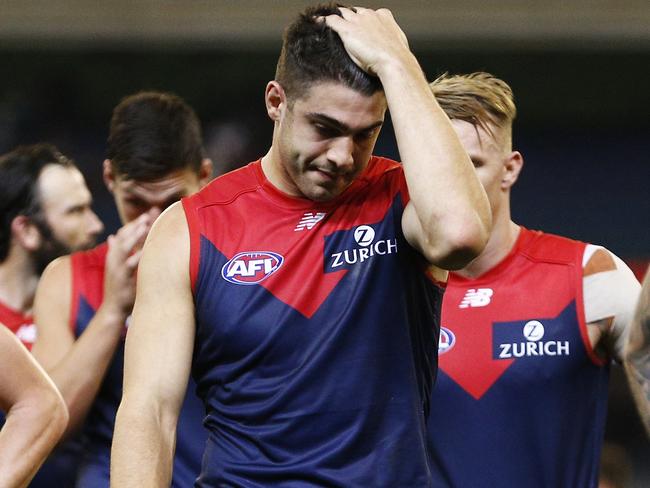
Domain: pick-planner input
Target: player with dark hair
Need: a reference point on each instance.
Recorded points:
(84, 301)
(529, 328)
(295, 288)
(45, 212)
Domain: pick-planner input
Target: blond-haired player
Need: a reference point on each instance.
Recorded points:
(529, 328)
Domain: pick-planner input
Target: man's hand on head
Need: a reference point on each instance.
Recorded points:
(372, 38)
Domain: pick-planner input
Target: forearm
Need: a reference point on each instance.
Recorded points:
(448, 199)
(32, 428)
(637, 356)
(139, 428)
(79, 374)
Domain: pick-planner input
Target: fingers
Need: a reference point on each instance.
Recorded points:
(131, 236)
(133, 260)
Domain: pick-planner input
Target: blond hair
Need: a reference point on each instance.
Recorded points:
(478, 98)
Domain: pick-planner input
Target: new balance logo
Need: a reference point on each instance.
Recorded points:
(479, 297)
(309, 220)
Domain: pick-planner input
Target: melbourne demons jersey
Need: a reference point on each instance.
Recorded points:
(521, 396)
(87, 295)
(22, 325)
(311, 329)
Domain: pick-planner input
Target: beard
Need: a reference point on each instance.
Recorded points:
(51, 246)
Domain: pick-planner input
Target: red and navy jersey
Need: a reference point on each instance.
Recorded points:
(87, 295)
(521, 396)
(22, 325)
(312, 322)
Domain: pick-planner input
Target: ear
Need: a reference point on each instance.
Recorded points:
(276, 100)
(205, 172)
(512, 168)
(108, 175)
(25, 233)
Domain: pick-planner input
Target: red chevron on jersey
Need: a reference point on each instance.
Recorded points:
(341, 233)
(483, 350)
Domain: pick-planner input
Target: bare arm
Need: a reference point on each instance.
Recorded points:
(448, 218)
(637, 354)
(77, 367)
(36, 413)
(158, 358)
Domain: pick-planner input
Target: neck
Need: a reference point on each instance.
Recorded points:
(502, 239)
(276, 174)
(18, 282)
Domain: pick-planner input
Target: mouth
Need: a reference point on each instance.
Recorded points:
(325, 175)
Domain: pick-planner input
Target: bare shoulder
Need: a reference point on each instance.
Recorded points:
(54, 292)
(57, 274)
(168, 242)
(170, 229)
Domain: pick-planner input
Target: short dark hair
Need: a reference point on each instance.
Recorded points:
(19, 195)
(312, 52)
(152, 134)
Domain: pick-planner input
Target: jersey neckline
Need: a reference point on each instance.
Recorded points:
(525, 235)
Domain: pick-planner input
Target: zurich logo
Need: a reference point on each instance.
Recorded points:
(364, 235)
(250, 268)
(533, 330)
(446, 341)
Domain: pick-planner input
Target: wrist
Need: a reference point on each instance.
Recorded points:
(397, 67)
(113, 314)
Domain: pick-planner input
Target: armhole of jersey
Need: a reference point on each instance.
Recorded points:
(580, 309)
(74, 298)
(191, 216)
(402, 188)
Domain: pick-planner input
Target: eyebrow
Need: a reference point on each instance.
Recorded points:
(338, 125)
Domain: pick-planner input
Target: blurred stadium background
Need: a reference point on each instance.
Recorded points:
(580, 71)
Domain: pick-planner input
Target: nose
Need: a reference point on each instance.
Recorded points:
(95, 226)
(340, 152)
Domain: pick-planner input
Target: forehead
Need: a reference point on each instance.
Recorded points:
(61, 185)
(179, 182)
(475, 139)
(340, 102)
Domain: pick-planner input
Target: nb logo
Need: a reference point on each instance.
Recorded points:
(479, 297)
(309, 220)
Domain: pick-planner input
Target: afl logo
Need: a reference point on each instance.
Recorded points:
(533, 330)
(250, 268)
(446, 341)
(364, 235)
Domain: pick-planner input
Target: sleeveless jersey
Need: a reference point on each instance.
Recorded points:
(20, 324)
(521, 397)
(311, 329)
(87, 295)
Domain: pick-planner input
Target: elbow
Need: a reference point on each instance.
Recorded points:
(461, 242)
(57, 413)
(48, 410)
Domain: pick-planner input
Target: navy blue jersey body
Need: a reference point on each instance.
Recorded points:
(313, 321)
(88, 282)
